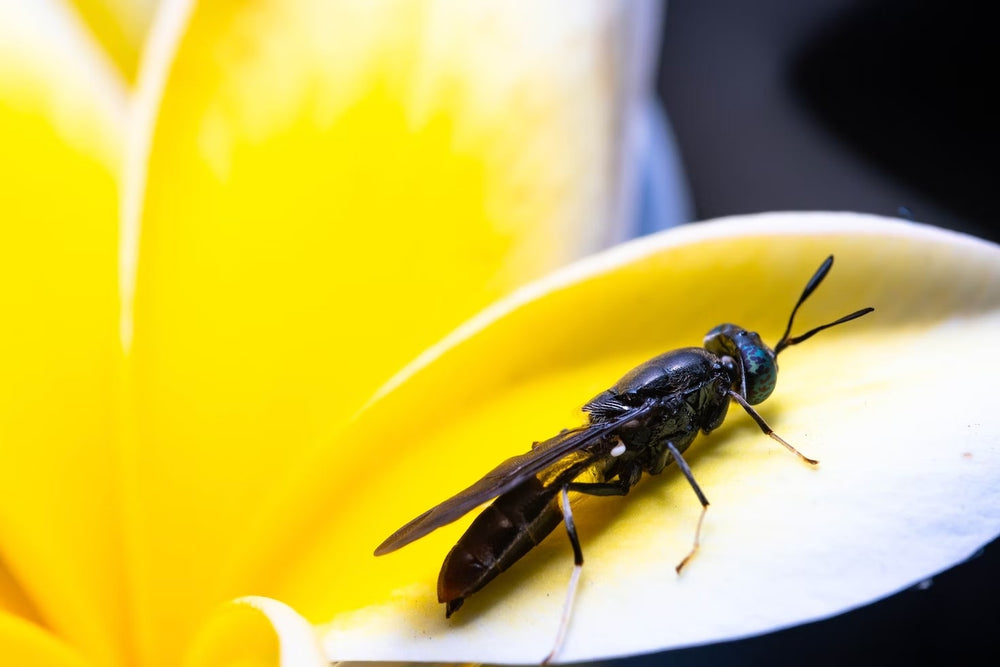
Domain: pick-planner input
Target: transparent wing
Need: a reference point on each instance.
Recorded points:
(504, 477)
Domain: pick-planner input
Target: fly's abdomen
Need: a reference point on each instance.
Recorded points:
(505, 531)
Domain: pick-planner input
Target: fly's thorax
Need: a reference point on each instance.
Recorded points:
(756, 365)
(675, 372)
(687, 390)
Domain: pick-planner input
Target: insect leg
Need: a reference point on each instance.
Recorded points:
(574, 578)
(600, 488)
(625, 479)
(767, 429)
(686, 469)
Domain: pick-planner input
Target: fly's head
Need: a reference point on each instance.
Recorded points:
(754, 364)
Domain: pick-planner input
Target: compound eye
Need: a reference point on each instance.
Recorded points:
(761, 370)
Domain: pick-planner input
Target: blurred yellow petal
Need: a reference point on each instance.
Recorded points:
(60, 115)
(25, 644)
(328, 189)
(121, 27)
(256, 631)
(13, 598)
(907, 486)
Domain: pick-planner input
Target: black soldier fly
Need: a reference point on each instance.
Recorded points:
(642, 424)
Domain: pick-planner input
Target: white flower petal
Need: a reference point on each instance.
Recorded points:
(899, 408)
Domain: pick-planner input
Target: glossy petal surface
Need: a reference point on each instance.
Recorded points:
(907, 485)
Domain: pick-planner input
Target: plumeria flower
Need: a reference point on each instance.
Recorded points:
(242, 347)
(901, 492)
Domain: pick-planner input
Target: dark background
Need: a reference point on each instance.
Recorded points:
(864, 105)
(846, 105)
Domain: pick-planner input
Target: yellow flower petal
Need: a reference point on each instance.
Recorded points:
(121, 26)
(329, 188)
(907, 486)
(24, 643)
(256, 631)
(13, 598)
(60, 117)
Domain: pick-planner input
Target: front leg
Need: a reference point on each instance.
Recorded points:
(768, 430)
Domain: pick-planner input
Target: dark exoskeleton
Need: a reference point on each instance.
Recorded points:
(641, 425)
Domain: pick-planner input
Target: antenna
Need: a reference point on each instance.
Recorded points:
(811, 286)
